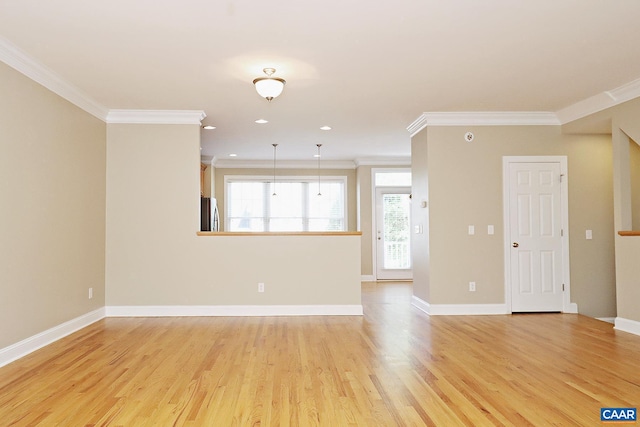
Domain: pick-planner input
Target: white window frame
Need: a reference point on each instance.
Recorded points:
(306, 178)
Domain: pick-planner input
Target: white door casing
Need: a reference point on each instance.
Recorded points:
(536, 234)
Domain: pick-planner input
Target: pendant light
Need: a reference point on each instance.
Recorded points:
(318, 156)
(274, 168)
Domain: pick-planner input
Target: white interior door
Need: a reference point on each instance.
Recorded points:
(535, 216)
(393, 233)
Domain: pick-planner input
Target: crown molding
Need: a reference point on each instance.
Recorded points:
(309, 164)
(371, 161)
(25, 64)
(207, 160)
(586, 107)
(417, 125)
(487, 118)
(580, 109)
(282, 164)
(625, 92)
(599, 102)
(167, 117)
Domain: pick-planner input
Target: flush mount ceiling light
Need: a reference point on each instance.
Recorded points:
(269, 87)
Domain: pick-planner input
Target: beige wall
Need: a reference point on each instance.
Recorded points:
(626, 129)
(628, 277)
(52, 209)
(420, 216)
(365, 218)
(154, 256)
(623, 124)
(465, 188)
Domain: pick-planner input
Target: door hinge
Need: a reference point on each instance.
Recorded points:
(561, 175)
(562, 232)
(563, 287)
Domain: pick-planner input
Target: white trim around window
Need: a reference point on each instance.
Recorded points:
(264, 214)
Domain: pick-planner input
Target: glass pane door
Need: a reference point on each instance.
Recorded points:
(393, 233)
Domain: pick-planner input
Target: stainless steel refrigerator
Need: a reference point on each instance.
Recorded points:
(209, 218)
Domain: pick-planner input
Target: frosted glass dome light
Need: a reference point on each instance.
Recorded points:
(269, 87)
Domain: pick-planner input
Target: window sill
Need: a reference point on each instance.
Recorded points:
(629, 233)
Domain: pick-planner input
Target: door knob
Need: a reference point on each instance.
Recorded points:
(515, 244)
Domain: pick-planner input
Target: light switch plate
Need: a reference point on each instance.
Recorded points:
(472, 230)
(490, 230)
(589, 234)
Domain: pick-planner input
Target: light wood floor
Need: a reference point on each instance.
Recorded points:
(395, 366)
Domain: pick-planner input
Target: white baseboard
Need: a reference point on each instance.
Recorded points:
(627, 325)
(35, 342)
(232, 310)
(421, 304)
(367, 278)
(607, 319)
(458, 309)
(572, 309)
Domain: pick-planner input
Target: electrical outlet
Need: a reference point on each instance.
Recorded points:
(90, 293)
(260, 287)
(472, 230)
(472, 286)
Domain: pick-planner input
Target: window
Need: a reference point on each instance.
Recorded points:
(251, 205)
(393, 178)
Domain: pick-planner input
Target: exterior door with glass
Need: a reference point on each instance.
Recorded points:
(393, 233)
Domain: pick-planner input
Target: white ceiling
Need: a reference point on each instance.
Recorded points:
(367, 69)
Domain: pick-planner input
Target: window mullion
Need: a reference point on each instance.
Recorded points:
(266, 206)
(305, 205)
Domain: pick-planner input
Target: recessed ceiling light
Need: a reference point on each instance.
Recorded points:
(316, 155)
(208, 127)
(233, 155)
(262, 121)
(325, 127)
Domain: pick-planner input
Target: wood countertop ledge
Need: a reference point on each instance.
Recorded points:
(629, 233)
(279, 233)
